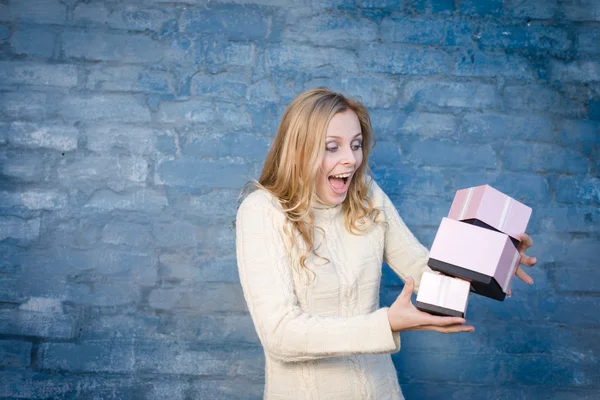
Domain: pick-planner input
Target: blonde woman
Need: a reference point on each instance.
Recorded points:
(311, 239)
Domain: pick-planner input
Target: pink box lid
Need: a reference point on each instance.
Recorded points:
(492, 207)
(483, 251)
(444, 292)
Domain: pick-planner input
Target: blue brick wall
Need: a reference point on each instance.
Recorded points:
(128, 128)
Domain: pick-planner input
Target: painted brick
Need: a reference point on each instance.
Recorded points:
(125, 233)
(440, 153)
(37, 324)
(23, 383)
(566, 219)
(231, 389)
(120, 47)
(535, 37)
(395, 5)
(116, 172)
(217, 203)
(23, 105)
(104, 139)
(488, 126)
(405, 60)
(28, 168)
(34, 199)
(578, 131)
(481, 7)
(228, 86)
(15, 354)
(542, 99)
(581, 10)
(588, 40)
(191, 359)
(462, 32)
(217, 115)
(372, 91)
(430, 125)
(235, 23)
(55, 137)
(17, 228)
(164, 109)
(519, 156)
(208, 298)
(104, 107)
(39, 11)
(578, 71)
(224, 54)
(194, 173)
(246, 146)
(4, 31)
(486, 64)
(451, 94)
(176, 233)
(262, 91)
(414, 214)
(144, 200)
(99, 356)
(409, 182)
(405, 30)
(114, 294)
(128, 18)
(535, 9)
(128, 79)
(584, 280)
(302, 57)
(331, 30)
(578, 190)
(34, 41)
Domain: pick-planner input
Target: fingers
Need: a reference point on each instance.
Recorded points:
(447, 329)
(407, 290)
(525, 242)
(522, 275)
(433, 320)
(528, 261)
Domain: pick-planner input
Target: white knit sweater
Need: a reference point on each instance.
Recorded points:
(321, 327)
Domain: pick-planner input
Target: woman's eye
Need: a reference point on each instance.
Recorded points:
(332, 148)
(356, 146)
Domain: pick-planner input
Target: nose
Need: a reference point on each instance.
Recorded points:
(348, 158)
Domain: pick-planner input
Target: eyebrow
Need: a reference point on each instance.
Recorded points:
(337, 137)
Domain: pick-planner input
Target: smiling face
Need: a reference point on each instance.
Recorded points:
(343, 156)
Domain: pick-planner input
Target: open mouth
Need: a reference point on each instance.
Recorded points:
(340, 182)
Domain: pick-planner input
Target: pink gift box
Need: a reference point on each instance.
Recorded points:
(484, 257)
(487, 207)
(443, 295)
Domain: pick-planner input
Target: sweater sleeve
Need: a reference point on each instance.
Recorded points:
(286, 332)
(402, 251)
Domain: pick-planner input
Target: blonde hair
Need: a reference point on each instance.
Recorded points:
(293, 161)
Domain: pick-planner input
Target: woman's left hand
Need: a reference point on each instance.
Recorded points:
(525, 243)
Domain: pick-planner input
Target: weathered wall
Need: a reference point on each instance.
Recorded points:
(129, 127)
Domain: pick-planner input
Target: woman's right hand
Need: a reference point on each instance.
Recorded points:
(404, 316)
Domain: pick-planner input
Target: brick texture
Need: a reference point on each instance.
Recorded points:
(128, 128)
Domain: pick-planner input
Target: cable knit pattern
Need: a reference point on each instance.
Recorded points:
(324, 335)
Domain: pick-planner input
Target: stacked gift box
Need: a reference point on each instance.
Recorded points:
(475, 250)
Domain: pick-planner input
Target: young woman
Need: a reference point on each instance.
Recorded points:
(311, 239)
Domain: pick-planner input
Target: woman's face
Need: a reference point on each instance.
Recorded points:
(343, 156)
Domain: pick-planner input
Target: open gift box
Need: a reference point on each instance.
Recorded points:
(489, 208)
(484, 257)
(443, 295)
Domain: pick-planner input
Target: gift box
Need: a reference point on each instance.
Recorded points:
(484, 257)
(489, 208)
(443, 295)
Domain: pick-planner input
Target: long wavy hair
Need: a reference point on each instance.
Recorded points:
(295, 157)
